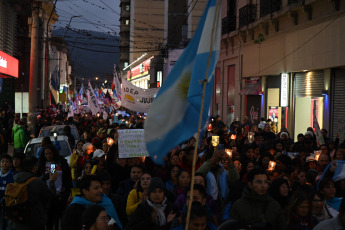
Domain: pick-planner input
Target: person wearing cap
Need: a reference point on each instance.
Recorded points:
(154, 213)
(311, 162)
(99, 158)
(310, 166)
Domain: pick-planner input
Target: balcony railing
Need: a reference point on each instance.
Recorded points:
(247, 14)
(228, 24)
(269, 6)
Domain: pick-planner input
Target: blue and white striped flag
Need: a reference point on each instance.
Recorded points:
(174, 114)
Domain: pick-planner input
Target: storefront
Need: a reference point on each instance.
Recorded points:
(254, 99)
(139, 75)
(338, 105)
(308, 100)
(277, 101)
(9, 70)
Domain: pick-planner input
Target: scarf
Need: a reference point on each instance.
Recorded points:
(161, 219)
(106, 203)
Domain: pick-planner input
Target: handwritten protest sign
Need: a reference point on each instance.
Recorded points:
(131, 143)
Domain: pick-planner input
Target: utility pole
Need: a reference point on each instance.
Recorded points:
(34, 65)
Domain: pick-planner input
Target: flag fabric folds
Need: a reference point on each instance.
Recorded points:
(116, 85)
(174, 114)
(92, 100)
(135, 98)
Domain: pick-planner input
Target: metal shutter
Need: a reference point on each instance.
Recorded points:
(309, 84)
(338, 104)
(7, 29)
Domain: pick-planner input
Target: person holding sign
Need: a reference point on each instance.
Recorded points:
(139, 194)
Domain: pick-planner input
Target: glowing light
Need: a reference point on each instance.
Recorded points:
(229, 152)
(271, 165)
(215, 140)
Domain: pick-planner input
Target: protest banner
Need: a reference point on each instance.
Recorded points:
(131, 143)
(135, 98)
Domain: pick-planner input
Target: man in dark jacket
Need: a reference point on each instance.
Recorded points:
(38, 196)
(255, 208)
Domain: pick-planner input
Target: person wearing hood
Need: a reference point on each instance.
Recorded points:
(20, 138)
(256, 207)
(154, 213)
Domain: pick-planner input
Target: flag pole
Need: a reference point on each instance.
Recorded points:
(204, 82)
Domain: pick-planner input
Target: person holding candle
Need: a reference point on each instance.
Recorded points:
(217, 176)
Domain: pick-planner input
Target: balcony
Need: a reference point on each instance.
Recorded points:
(247, 15)
(228, 24)
(269, 6)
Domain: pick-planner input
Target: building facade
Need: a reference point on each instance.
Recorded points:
(284, 60)
(149, 31)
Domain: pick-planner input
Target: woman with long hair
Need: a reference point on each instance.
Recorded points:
(50, 162)
(95, 218)
(77, 151)
(280, 191)
(299, 212)
(328, 190)
(171, 180)
(139, 194)
(183, 181)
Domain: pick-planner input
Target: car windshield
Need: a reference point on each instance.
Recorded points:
(32, 149)
(48, 132)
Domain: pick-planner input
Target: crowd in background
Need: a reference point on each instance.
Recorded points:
(235, 185)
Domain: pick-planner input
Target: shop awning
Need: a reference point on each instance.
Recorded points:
(251, 89)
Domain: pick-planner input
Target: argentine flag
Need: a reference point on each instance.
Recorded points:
(174, 114)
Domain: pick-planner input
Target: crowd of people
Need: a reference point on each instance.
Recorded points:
(256, 178)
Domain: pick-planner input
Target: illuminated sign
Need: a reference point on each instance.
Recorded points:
(140, 70)
(8, 65)
(284, 90)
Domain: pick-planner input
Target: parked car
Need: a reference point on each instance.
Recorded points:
(50, 130)
(34, 144)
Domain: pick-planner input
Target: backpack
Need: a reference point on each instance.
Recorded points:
(16, 206)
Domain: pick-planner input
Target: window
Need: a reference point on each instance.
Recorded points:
(247, 14)
(231, 85)
(127, 7)
(127, 22)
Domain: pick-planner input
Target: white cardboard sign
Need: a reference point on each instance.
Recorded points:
(131, 143)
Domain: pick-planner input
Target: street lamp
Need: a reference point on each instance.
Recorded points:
(96, 78)
(69, 23)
